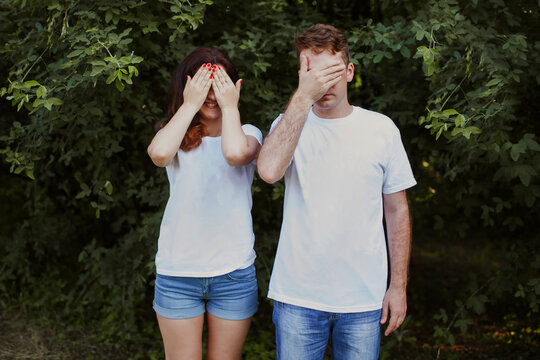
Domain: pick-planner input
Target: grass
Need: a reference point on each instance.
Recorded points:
(439, 274)
(32, 337)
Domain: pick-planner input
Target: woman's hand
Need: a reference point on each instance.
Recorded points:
(227, 93)
(196, 89)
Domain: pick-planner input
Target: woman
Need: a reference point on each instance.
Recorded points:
(205, 252)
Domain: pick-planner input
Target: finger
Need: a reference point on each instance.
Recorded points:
(333, 70)
(218, 77)
(304, 63)
(332, 81)
(239, 84)
(384, 315)
(199, 73)
(391, 326)
(223, 76)
(206, 77)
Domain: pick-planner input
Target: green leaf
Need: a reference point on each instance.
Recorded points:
(75, 53)
(450, 112)
(524, 172)
(108, 16)
(30, 173)
(108, 187)
(31, 83)
(111, 78)
(119, 85)
(405, 52)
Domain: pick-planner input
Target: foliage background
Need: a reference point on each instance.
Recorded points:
(83, 82)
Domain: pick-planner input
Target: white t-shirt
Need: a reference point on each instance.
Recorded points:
(207, 228)
(332, 250)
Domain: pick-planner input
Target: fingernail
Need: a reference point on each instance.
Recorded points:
(204, 65)
(214, 66)
(241, 80)
(187, 77)
(211, 76)
(219, 68)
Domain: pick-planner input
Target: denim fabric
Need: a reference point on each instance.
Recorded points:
(232, 296)
(303, 334)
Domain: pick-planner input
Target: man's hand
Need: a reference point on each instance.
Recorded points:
(395, 305)
(314, 83)
(196, 89)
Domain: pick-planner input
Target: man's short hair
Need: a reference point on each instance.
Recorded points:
(322, 37)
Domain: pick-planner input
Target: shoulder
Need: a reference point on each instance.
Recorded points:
(375, 120)
(252, 130)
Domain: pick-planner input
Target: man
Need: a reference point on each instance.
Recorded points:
(344, 167)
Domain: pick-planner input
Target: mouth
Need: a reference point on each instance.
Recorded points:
(211, 104)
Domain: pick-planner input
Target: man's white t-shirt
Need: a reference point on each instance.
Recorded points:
(207, 227)
(331, 254)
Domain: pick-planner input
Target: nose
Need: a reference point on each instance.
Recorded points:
(211, 95)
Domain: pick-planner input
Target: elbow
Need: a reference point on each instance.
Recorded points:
(158, 158)
(269, 175)
(237, 158)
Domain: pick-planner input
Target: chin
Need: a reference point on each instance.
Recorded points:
(210, 114)
(325, 104)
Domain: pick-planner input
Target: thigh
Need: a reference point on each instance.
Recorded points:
(233, 296)
(301, 333)
(178, 297)
(226, 338)
(182, 337)
(357, 336)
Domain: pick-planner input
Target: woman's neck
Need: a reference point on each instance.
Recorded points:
(213, 128)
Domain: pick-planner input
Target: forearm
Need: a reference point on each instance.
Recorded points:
(234, 143)
(278, 148)
(166, 142)
(399, 239)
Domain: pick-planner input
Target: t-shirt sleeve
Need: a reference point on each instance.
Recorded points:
(251, 130)
(274, 123)
(398, 174)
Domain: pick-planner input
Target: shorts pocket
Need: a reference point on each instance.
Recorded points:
(247, 274)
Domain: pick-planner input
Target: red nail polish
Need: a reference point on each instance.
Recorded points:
(214, 66)
(204, 65)
(241, 80)
(187, 77)
(219, 68)
(211, 76)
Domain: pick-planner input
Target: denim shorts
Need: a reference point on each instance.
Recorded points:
(303, 333)
(232, 296)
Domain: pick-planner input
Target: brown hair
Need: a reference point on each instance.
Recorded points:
(203, 55)
(322, 37)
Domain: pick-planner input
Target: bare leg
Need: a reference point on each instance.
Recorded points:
(226, 338)
(182, 338)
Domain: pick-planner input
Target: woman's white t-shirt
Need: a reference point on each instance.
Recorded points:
(207, 227)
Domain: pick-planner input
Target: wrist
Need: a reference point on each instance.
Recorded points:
(189, 109)
(302, 98)
(399, 284)
(229, 110)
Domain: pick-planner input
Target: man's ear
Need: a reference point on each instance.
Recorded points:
(350, 72)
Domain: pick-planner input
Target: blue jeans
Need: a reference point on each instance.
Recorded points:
(302, 333)
(231, 296)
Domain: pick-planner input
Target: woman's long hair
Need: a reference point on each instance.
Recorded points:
(203, 55)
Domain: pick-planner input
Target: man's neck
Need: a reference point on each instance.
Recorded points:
(337, 112)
